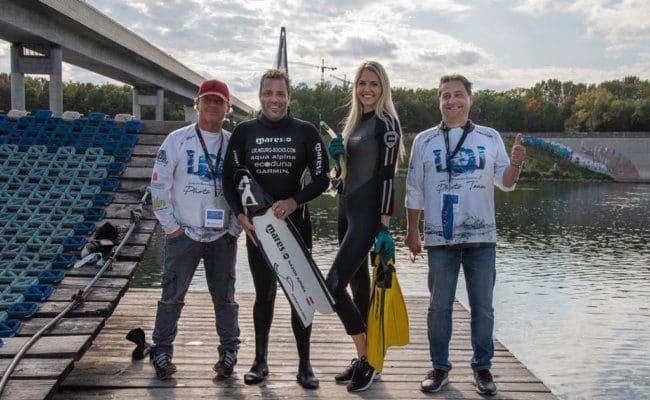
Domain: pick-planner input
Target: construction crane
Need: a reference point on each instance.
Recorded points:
(322, 68)
(344, 80)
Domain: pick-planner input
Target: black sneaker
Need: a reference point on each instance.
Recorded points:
(484, 382)
(346, 375)
(163, 365)
(362, 376)
(226, 364)
(434, 381)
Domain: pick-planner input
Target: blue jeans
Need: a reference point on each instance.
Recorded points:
(182, 256)
(480, 273)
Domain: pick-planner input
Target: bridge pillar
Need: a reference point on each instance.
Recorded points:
(43, 59)
(56, 80)
(157, 100)
(17, 79)
(160, 104)
(136, 105)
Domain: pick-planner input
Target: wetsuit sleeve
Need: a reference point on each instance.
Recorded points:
(318, 164)
(415, 178)
(162, 179)
(388, 134)
(234, 157)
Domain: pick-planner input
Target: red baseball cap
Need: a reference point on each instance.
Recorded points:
(214, 87)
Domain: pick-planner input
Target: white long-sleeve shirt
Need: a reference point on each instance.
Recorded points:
(182, 186)
(478, 166)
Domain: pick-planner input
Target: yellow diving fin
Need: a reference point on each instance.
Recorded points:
(388, 323)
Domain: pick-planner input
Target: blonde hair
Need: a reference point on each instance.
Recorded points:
(383, 108)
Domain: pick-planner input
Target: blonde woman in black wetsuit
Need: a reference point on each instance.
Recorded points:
(370, 147)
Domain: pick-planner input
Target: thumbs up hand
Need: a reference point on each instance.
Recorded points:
(518, 151)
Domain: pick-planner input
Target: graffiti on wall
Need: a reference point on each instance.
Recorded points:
(599, 159)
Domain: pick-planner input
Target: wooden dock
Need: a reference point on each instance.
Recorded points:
(107, 372)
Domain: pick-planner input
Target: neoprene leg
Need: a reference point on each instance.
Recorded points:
(360, 282)
(265, 284)
(302, 336)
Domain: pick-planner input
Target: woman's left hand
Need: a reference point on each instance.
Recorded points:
(385, 244)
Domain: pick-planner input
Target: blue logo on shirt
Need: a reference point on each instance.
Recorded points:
(464, 162)
(202, 170)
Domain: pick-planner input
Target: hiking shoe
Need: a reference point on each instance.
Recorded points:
(434, 381)
(164, 366)
(484, 382)
(362, 376)
(226, 364)
(346, 375)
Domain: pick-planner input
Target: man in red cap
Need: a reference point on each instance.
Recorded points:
(189, 203)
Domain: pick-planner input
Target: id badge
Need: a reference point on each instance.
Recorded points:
(214, 218)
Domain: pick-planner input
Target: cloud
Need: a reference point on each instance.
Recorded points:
(615, 21)
(460, 57)
(362, 48)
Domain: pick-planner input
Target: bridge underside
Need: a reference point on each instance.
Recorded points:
(89, 39)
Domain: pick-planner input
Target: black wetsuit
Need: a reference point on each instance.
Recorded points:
(371, 154)
(277, 155)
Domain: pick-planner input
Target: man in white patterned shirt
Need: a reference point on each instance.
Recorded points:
(188, 201)
(452, 173)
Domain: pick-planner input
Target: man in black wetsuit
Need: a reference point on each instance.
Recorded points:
(277, 149)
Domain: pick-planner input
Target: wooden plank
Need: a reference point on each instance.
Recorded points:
(137, 173)
(133, 184)
(95, 294)
(38, 368)
(118, 211)
(127, 198)
(141, 162)
(65, 327)
(19, 389)
(88, 309)
(143, 226)
(151, 139)
(119, 269)
(145, 150)
(104, 282)
(47, 346)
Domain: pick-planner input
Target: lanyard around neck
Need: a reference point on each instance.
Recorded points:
(445, 133)
(213, 169)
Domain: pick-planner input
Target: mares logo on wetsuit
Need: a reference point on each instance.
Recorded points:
(260, 141)
(390, 139)
(319, 157)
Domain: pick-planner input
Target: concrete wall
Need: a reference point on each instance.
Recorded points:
(626, 154)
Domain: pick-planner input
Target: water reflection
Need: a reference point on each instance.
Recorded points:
(573, 266)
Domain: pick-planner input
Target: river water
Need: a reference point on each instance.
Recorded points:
(573, 282)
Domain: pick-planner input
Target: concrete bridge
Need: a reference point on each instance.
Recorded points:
(625, 154)
(43, 33)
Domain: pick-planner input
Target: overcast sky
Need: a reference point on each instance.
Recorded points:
(496, 44)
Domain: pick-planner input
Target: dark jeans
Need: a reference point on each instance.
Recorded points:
(480, 273)
(182, 256)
